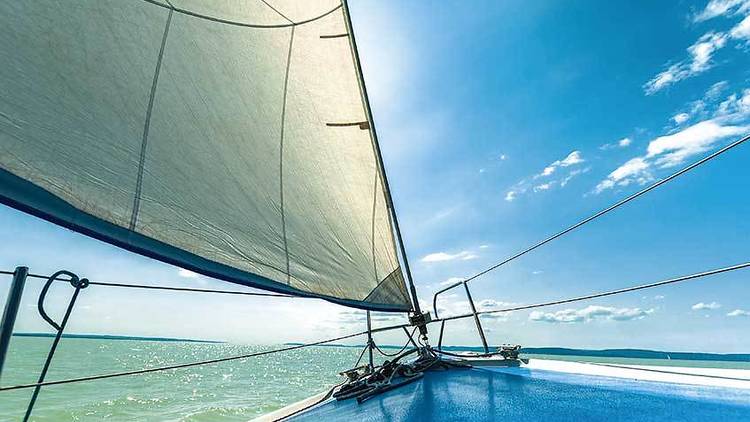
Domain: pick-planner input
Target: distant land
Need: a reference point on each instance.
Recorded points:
(113, 337)
(605, 353)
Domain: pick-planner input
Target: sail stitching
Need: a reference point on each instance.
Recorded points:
(281, 157)
(147, 124)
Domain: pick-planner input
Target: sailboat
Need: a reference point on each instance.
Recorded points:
(236, 140)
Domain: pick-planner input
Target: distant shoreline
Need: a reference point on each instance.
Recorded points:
(604, 353)
(116, 337)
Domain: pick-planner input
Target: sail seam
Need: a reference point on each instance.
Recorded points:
(147, 125)
(277, 11)
(244, 24)
(281, 157)
(380, 283)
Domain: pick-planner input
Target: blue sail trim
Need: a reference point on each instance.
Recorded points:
(32, 199)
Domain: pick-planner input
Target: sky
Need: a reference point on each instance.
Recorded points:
(501, 124)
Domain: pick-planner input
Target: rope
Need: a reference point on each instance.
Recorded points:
(607, 293)
(179, 289)
(602, 212)
(180, 366)
(408, 340)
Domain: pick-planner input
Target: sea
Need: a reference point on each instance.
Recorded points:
(229, 391)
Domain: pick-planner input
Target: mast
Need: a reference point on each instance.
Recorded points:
(376, 146)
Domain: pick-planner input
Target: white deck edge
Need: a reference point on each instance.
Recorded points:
(716, 377)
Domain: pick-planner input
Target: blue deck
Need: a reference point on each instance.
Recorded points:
(522, 395)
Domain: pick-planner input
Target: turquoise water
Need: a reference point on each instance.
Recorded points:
(229, 391)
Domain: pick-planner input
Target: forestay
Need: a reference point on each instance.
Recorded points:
(226, 137)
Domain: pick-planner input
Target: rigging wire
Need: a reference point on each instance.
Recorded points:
(178, 366)
(390, 355)
(381, 329)
(602, 212)
(178, 289)
(606, 293)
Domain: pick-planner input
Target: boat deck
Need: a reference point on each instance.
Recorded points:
(554, 391)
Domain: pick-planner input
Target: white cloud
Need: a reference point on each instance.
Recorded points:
(571, 175)
(484, 246)
(537, 272)
(570, 160)
(680, 118)
(658, 297)
(443, 256)
(716, 89)
(716, 8)
(735, 107)
(739, 312)
(543, 186)
(622, 143)
(671, 150)
(547, 171)
(187, 273)
(359, 317)
(590, 313)
(699, 61)
(510, 196)
(632, 169)
(676, 148)
(700, 306)
(742, 30)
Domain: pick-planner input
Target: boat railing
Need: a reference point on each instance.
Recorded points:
(559, 234)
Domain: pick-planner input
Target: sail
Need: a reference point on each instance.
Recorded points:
(227, 137)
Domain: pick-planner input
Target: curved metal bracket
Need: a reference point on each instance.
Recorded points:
(78, 283)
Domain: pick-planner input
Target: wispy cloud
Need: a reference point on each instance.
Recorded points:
(543, 186)
(590, 313)
(187, 273)
(701, 53)
(742, 30)
(680, 118)
(570, 160)
(699, 61)
(622, 143)
(444, 256)
(358, 317)
(635, 169)
(716, 8)
(673, 149)
(532, 184)
(739, 313)
(701, 306)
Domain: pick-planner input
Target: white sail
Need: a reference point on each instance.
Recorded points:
(227, 137)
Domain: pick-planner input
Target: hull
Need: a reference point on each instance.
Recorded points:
(553, 391)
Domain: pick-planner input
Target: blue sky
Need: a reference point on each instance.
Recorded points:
(500, 124)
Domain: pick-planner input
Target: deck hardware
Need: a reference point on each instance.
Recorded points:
(78, 284)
